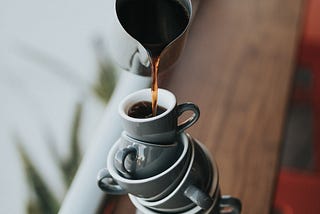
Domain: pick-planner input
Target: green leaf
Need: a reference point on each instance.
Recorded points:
(44, 201)
(70, 166)
(106, 81)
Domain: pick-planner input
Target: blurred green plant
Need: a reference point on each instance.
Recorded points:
(42, 200)
(106, 81)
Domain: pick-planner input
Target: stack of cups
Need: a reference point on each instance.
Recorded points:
(163, 169)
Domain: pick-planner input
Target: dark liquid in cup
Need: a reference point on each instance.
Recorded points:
(154, 23)
(143, 109)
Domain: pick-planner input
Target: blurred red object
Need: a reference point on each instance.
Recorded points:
(311, 31)
(309, 57)
(298, 193)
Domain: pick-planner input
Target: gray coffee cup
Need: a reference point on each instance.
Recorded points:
(151, 188)
(162, 128)
(222, 205)
(138, 159)
(194, 188)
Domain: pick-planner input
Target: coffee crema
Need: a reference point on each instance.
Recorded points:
(154, 23)
(143, 109)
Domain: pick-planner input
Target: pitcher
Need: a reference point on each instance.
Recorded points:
(127, 47)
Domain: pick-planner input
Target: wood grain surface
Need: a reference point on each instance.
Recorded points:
(237, 67)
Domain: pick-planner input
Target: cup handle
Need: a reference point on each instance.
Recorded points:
(198, 197)
(189, 122)
(229, 205)
(107, 183)
(121, 157)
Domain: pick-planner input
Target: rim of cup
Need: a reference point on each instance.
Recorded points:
(177, 189)
(213, 191)
(215, 171)
(214, 182)
(166, 99)
(193, 210)
(126, 137)
(118, 177)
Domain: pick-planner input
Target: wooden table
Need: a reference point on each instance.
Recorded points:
(237, 66)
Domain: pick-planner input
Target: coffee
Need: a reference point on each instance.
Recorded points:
(154, 23)
(143, 109)
(154, 86)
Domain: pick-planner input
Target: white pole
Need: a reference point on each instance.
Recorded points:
(84, 196)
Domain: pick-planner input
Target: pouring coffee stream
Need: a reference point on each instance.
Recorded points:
(154, 24)
(154, 88)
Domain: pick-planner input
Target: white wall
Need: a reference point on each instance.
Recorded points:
(47, 64)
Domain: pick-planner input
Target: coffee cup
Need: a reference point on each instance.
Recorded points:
(138, 159)
(193, 190)
(195, 209)
(224, 204)
(151, 188)
(162, 128)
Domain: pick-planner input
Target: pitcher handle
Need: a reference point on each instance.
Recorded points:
(229, 205)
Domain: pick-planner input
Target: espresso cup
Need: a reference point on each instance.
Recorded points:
(162, 128)
(193, 190)
(151, 188)
(138, 159)
(224, 204)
